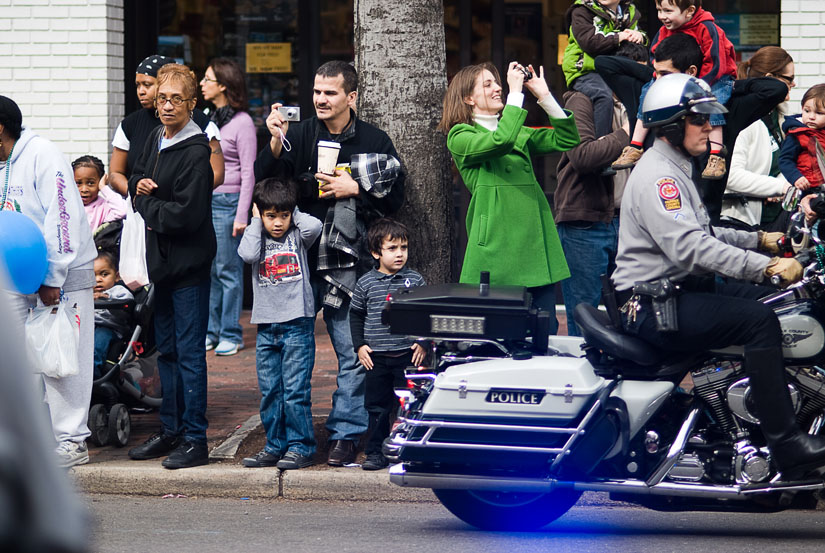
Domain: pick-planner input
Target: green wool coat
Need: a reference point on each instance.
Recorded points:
(510, 229)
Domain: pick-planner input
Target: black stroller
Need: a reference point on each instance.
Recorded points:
(127, 382)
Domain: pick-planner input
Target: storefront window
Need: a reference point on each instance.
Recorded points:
(262, 36)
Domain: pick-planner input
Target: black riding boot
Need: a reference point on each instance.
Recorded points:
(794, 452)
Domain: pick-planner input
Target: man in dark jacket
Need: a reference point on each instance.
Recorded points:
(347, 202)
(587, 206)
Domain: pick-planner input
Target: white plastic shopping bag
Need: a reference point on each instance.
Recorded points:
(132, 269)
(52, 335)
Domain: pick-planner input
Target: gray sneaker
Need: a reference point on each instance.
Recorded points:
(294, 460)
(70, 454)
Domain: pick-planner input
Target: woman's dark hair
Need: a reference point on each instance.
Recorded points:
(681, 49)
(768, 59)
(346, 70)
(229, 74)
(385, 229)
(90, 161)
(274, 193)
(633, 51)
(10, 117)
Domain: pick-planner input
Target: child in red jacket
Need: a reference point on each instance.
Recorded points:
(718, 70)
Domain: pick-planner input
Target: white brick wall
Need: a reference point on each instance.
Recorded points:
(63, 64)
(803, 36)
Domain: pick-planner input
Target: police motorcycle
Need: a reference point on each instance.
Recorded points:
(509, 426)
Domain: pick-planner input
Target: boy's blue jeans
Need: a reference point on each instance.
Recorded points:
(181, 317)
(285, 355)
(593, 86)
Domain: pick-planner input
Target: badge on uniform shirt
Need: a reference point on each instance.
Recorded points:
(669, 194)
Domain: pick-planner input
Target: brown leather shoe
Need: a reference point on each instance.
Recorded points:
(342, 452)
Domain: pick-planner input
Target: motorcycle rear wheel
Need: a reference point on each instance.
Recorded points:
(513, 511)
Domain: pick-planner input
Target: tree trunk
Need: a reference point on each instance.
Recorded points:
(401, 61)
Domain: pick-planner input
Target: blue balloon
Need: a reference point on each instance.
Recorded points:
(23, 250)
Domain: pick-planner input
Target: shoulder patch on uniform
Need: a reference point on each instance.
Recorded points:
(669, 194)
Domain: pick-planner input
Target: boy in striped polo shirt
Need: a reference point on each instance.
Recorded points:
(383, 355)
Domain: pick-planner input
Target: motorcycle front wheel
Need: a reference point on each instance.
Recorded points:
(513, 511)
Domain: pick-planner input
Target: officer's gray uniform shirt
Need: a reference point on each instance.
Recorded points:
(664, 229)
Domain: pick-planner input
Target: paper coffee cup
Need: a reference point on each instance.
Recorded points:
(327, 156)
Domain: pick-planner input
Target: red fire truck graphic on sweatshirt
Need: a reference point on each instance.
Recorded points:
(281, 262)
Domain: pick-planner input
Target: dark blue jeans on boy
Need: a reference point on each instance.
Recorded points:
(181, 318)
(285, 355)
(593, 86)
(380, 400)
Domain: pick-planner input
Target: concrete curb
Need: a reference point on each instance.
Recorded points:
(150, 478)
(232, 481)
(347, 484)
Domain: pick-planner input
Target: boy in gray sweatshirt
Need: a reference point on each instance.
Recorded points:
(275, 243)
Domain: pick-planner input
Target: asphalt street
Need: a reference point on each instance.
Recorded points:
(146, 525)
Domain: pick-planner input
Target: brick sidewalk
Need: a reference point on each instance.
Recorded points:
(233, 394)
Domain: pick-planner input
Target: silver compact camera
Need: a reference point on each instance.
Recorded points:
(290, 113)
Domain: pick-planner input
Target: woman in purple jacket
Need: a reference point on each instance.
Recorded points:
(223, 84)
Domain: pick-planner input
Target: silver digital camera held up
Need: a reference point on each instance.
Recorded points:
(290, 113)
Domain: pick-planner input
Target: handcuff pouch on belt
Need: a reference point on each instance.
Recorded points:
(662, 294)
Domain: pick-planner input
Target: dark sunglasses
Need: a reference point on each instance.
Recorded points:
(697, 119)
(790, 80)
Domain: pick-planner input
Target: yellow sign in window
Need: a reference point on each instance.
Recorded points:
(269, 57)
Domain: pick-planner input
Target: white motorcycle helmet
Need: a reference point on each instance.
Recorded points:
(671, 97)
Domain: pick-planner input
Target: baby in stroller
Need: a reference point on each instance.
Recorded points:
(109, 323)
(124, 377)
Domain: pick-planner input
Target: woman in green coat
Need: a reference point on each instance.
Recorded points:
(510, 229)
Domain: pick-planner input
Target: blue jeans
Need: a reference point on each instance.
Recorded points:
(181, 316)
(285, 355)
(593, 86)
(348, 418)
(103, 339)
(226, 293)
(590, 249)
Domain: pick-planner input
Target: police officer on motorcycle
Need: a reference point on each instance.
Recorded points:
(669, 256)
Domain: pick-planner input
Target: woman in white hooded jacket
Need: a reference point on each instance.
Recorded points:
(754, 171)
(37, 181)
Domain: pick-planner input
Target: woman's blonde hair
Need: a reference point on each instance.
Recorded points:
(455, 109)
(180, 74)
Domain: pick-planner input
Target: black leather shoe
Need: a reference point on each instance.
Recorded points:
(341, 453)
(375, 461)
(294, 460)
(156, 446)
(262, 459)
(188, 454)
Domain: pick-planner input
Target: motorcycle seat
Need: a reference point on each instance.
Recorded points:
(598, 331)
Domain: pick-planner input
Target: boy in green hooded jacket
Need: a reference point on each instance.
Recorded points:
(597, 27)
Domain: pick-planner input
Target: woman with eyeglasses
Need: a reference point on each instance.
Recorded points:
(131, 134)
(224, 86)
(755, 184)
(171, 188)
